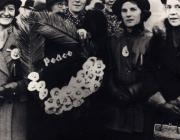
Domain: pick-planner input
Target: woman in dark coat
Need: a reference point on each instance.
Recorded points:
(166, 59)
(62, 57)
(129, 82)
(12, 106)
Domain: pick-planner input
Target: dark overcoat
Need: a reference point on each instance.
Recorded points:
(165, 56)
(12, 111)
(129, 80)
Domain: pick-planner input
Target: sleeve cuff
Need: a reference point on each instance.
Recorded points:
(157, 99)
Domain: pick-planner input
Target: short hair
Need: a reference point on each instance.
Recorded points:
(144, 5)
(163, 1)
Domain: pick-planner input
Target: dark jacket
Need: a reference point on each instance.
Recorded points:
(129, 80)
(166, 58)
(95, 23)
(60, 57)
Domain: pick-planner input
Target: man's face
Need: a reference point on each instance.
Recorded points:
(59, 7)
(131, 14)
(7, 14)
(173, 12)
(76, 6)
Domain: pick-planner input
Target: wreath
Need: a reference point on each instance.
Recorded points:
(58, 100)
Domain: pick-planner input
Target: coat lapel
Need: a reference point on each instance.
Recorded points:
(3, 65)
(5, 57)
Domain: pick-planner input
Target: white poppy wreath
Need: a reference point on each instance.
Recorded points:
(87, 81)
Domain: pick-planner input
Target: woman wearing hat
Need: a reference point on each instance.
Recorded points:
(56, 6)
(12, 107)
(128, 72)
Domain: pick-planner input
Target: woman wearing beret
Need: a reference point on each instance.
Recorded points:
(129, 80)
(12, 107)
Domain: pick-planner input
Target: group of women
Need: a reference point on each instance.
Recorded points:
(141, 78)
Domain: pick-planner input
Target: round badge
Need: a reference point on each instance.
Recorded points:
(125, 51)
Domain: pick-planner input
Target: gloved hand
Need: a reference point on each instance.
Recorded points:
(8, 90)
(169, 108)
(134, 89)
(175, 102)
(82, 34)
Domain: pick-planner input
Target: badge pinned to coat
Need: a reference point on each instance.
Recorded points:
(125, 51)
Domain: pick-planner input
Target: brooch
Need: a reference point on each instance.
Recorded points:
(15, 53)
(125, 51)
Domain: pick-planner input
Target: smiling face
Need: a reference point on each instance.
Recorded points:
(7, 14)
(173, 12)
(131, 14)
(76, 6)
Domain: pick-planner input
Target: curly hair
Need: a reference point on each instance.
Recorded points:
(144, 5)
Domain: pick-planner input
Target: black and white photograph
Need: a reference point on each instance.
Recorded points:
(89, 69)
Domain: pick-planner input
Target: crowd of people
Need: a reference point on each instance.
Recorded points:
(133, 73)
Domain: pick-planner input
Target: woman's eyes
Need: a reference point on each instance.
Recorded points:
(11, 9)
(169, 6)
(131, 9)
(123, 10)
(177, 6)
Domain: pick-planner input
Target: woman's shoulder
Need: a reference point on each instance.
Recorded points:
(118, 34)
(159, 29)
(147, 33)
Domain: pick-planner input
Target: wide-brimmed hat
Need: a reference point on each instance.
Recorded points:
(29, 4)
(17, 3)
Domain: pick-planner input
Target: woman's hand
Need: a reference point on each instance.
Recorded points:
(8, 90)
(169, 108)
(175, 102)
(82, 33)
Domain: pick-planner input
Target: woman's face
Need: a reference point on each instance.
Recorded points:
(173, 12)
(59, 7)
(7, 15)
(76, 6)
(131, 14)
